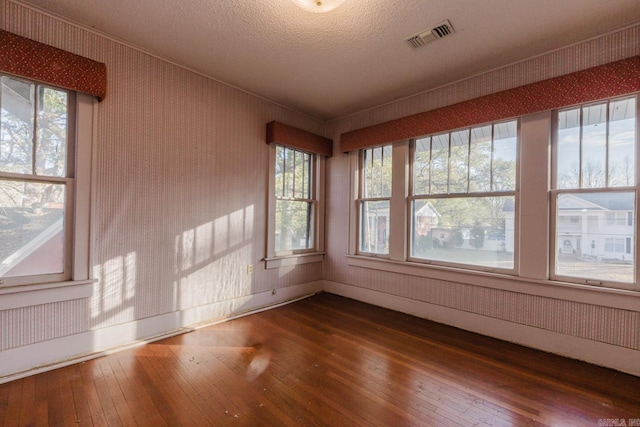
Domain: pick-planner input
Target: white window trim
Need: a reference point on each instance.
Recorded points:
(552, 211)
(397, 206)
(400, 211)
(533, 233)
(79, 285)
(316, 254)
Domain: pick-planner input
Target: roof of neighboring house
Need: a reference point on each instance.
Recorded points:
(614, 201)
(23, 232)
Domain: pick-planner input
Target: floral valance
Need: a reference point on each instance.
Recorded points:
(297, 138)
(24, 57)
(604, 81)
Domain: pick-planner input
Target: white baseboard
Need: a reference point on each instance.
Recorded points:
(615, 357)
(48, 355)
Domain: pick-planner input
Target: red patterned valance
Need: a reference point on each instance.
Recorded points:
(297, 138)
(37, 61)
(604, 81)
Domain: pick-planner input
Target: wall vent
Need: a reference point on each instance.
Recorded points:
(441, 30)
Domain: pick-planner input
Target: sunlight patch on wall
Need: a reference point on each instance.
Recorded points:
(233, 229)
(211, 260)
(115, 290)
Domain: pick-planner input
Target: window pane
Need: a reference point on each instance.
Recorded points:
(592, 231)
(280, 171)
(480, 159)
(374, 227)
(421, 164)
(51, 150)
(467, 230)
(288, 158)
(292, 170)
(16, 128)
(293, 225)
(32, 228)
(377, 172)
(622, 135)
(300, 175)
(505, 144)
(568, 151)
(459, 168)
(594, 145)
(439, 164)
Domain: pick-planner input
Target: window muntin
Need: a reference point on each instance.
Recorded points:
(295, 201)
(374, 200)
(463, 196)
(595, 152)
(36, 181)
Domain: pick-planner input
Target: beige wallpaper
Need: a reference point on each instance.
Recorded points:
(602, 324)
(180, 192)
(181, 195)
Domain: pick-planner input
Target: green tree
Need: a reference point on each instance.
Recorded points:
(477, 236)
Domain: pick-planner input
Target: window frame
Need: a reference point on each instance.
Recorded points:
(400, 209)
(68, 181)
(555, 192)
(363, 198)
(274, 259)
(468, 194)
(79, 179)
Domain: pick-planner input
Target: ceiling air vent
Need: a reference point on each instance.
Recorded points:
(442, 29)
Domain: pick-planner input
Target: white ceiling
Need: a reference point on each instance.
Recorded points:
(352, 58)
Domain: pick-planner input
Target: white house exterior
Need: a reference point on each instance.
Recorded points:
(596, 225)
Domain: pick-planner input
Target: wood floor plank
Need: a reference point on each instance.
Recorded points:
(120, 403)
(90, 393)
(325, 361)
(41, 400)
(102, 387)
(12, 410)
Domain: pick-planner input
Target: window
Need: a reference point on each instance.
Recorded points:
(374, 200)
(594, 179)
(36, 181)
(45, 181)
(294, 202)
(296, 208)
(463, 196)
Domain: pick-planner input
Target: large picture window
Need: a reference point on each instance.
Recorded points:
(37, 152)
(463, 196)
(594, 181)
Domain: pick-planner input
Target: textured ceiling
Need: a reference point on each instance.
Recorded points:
(352, 58)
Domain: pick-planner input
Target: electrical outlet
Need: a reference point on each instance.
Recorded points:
(250, 269)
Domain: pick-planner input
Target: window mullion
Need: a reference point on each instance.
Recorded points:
(491, 159)
(284, 172)
(398, 224)
(449, 164)
(34, 132)
(607, 146)
(581, 154)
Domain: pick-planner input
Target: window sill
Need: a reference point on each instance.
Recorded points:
(12, 297)
(608, 297)
(295, 259)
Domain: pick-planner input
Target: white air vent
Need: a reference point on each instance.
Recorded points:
(442, 29)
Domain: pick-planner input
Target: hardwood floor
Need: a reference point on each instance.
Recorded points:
(325, 360)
